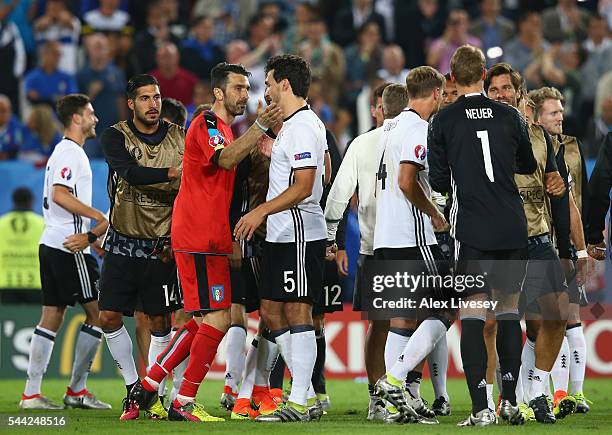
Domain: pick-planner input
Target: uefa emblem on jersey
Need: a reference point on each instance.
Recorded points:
(136, 153)
(66, 173)
(216, 140)
(420, 152)
(218, 293)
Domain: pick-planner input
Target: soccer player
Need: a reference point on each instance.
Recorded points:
(549, 114)
(144, 156)
(201, 238)
(356, 171)
(476, 145)
(545, 289)
(295, 249)
(599, 199)
(450, 91)
(406, 218)
(68, 272)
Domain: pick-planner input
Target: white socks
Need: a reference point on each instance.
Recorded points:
(577, 367)
(490, 402)
(159, 342)
(527, 368)
(397, 339)
(267, 353)
(560, 370)
(120, 346)
(539, 381)
(41, 347)
(438, 367)
(303, 357)
(422, 342)
(85, 350)
(246, 389)
(235, 352)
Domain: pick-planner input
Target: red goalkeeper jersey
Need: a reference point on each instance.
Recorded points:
(200, 221)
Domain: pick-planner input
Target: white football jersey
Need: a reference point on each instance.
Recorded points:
(300, 143)
(399, 224)
(68, 166)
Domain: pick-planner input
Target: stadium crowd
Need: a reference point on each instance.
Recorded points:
(54, 47)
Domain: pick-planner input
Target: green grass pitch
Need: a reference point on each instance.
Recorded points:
(349, 402)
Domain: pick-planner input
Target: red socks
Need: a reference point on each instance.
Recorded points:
(175, 353)
(202, 354)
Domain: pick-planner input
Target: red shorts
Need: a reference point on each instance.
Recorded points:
(205, 281)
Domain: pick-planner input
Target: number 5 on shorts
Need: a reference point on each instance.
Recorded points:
(289, 281)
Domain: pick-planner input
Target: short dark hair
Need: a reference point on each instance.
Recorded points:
(293, 68)
(447, 77)
(69, 105)
(499, 69)
(22, 198)
(220, 72)
(377, 93)
(138, 81)
(174, 111)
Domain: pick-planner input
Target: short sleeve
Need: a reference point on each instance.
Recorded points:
(303, 147)
(209, 138)
(66, 172)
(414, 150)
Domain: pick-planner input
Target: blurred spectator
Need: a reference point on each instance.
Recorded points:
(58, 24)
(524, 51)
(13, 64)
(104, 83)
(386, 8)
(20, 13)
(565, 21)
(231, 17)
(352, 18)
(199, 53)
(561, 69)
(178, 18)
(318, 103)
(157, 33)
(393, 62)
(173, 111)
(174, 81)
(46, 83)
(417, 24)
(599, 61)
(43, 134)
(493, 30)
(202, 94)
(20, 231)
(601, 123)
(304, 13)
(605, 10)
(12, 131)
(455, 35)
(107, 18)
(363, 59)
(326, 59)
(122, 53)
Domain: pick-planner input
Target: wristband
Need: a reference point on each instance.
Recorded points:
(91, 237)
(261, 127)
(582, 254)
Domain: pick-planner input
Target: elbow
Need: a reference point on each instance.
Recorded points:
(303, 193)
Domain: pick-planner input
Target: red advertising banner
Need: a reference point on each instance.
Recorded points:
(345, 335)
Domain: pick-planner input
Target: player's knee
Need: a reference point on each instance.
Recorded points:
(490, 328)
(110, 320)
(160, 323)
(52, 318)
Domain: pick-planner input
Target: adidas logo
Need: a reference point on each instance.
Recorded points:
(228, 375)
(537, 379)
(482, 384)
(401, 358)
(508, 377)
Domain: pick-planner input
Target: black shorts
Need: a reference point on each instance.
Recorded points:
(245, 287)
(504, 269)
(419, 260)
(124, 280)
(293, 272)
(445, 244)
(544, 273)
(330, 299)
(361, 289)
(67, 278)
